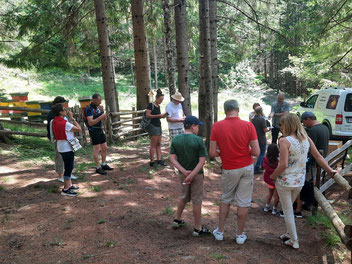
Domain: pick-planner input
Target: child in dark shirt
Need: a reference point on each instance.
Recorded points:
(270, 163)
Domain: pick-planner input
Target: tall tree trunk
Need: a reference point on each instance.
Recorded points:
(170, 70)
(271, 70)
(131, 60)
(155, 59)
(205, 98)
(214, 54)
(265, 71)
(107, 66)
(140, 54)
(182, 54)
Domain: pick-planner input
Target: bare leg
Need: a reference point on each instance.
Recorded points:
(224, 210)
(152, 148)
(180, 207)
(96, 150)
(242, 213)
(197, 214)
(67, 184)
(299, 204)
(104, 149)
(269, 196)
(276, 198)
(158, 148)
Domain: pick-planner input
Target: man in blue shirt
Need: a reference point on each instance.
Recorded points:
(94, 114)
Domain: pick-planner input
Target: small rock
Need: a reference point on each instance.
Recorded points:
(189, 257)
(150, 188)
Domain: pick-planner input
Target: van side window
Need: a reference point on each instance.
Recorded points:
(332, 102)
(348, 103)
(311, 101)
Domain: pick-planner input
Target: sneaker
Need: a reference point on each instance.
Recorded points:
(267, 209)
(178, 223)
(298, 214)
(202, 232)
(307, 207)
(240, 239)
(106, 167)
(281, 214)
(258, 171)
(68, 192)
(101, 171)
(218, 235)
(73, 177)
(61, 179)
(151, 164)
(161, 162)
(74, 187)
(274, 211)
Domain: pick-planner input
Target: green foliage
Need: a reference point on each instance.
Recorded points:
(101, 221)
(2, 188)
(168, 211)
(96, 188)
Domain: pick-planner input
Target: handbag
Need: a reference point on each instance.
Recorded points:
(145, 123)
(74, 142)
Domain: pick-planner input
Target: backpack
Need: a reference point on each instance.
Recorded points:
(145, 123)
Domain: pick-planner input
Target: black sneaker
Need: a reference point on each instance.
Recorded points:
(74, 187)
(281, 214)
(258, 171)
(106, 167)
(298, 214)
(307, 207)
(178, 223)
(202, 232)
(161, 162)
(68, 192)
(151, 164)
(101, 171)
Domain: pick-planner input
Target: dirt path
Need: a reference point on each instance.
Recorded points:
(125, 217)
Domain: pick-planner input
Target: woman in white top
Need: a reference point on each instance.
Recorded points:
(64, 131)
(289, 176)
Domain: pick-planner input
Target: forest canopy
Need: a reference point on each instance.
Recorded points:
(290, 44)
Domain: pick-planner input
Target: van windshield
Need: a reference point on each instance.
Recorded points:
(348, 103)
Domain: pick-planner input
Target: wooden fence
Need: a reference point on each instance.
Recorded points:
(126, 128)
(335, 158)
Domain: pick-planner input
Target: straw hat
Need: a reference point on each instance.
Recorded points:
(178, 96)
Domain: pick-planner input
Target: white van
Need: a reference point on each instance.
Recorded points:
(333, 108)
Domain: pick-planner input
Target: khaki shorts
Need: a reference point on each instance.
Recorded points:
(193, 191)
(237, 185)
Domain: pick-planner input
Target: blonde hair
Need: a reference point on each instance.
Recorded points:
(290, 124)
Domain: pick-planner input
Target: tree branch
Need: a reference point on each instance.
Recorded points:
(341, 57)
(338, 10)
(260, 24)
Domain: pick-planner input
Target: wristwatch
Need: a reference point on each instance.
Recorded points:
(73, 120)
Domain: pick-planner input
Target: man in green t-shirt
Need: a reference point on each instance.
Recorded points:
(188, 154)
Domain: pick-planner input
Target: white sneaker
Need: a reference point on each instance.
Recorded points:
(60, 179)
(73, 177)
(218, 235)
(240, 239)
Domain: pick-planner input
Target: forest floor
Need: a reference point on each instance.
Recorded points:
(126, 216)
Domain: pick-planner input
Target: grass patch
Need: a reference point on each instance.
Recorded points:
(2, 188)
(68, 223)
(57, 242)
(218, 256)
(330, 235)
(101, 221)
(168, 211)
(111, 243)
(6, 179)
(96, 188)
(131, 181)
(53, 189)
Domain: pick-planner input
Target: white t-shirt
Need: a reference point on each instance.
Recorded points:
(63, 145)
(175, 111)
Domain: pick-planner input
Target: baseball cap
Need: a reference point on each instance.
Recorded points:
(306, 115)
(192, 120)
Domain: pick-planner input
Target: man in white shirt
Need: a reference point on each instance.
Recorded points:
(175, 115)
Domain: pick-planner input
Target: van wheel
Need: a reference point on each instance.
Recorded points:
(329, 127)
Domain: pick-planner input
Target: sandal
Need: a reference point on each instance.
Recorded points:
(285, 237)
(291, 243)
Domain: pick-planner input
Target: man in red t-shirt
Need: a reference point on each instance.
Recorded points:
(235, 141)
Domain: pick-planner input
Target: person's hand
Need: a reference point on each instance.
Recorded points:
(70, 114)
(188, 180)
(272, 178)
(101, 108)
(332, 173)
(163, 115)
(103, 116)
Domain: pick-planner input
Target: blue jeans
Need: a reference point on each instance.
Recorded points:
(261, 157)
